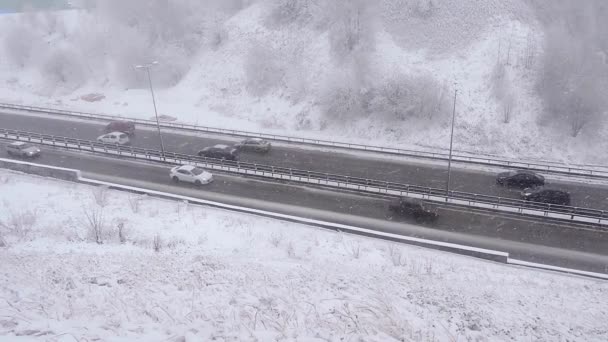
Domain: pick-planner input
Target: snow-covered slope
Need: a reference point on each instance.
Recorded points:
(456, 43)
(178, 272)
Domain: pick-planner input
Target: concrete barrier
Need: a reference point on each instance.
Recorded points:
(40, 170)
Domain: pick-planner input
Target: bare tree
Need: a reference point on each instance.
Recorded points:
(573, 82)
(263, 70)
(95, 220)
(405, 97)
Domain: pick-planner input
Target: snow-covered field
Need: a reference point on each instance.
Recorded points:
(179, 272)
(73, 54)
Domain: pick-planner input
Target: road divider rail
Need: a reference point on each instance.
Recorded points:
(598, 172)
(479, 201)
(481, 253)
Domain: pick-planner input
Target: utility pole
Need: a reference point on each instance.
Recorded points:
(160, 136)
(447, 188)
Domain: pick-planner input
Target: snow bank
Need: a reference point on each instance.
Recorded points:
(177, 272)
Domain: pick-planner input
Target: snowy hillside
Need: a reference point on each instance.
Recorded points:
(172, 271)
(381, 74)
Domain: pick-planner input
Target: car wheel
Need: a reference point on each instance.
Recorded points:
(198, 183)
(175, 179)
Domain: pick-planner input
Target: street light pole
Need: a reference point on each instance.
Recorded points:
(160, 136)
(447, 188)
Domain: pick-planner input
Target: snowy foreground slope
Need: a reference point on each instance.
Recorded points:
(188, 273)
(248, 72)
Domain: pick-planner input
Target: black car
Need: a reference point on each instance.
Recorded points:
(410, 207)
(520, 179)
(23, 150)
(127, 127)
(549, 196)
(219, 152)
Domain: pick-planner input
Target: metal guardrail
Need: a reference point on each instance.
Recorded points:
(488, 161)
(582, 215)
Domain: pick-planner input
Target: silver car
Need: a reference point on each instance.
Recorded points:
(254, 145)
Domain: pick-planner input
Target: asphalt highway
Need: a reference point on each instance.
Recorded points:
(387, 169)
(524, 238)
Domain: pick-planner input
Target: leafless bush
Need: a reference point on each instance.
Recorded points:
(263, 70)
(63, 67)
(291, 251)
(285, 12)
(396, 255)
(354, 249)
(502, 89)
(353, 27)
(20, 223)
(276, 238)
(572, 81)
(100, 194)
(96, 222)
(530, 52)
(121, 233)
(18, 43)
(407, 97)
(157, 243)
(134, 203)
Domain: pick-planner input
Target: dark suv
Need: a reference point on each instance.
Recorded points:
(23, 150)
(127, 127)
(219, 152)
(410, 207)
(550, 196)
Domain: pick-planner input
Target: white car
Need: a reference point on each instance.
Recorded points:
(119, 138)
(191, 174)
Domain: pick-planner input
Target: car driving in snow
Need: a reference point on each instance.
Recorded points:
(118, 138)
(549, 196)
(414, 208)
(190, 174)
(219, 152)
(254, 145)
(23, 150)
(520, 179)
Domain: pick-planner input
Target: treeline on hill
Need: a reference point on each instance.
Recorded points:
(573, 82)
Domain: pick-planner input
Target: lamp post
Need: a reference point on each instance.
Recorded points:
(160, 136)
(447, 188)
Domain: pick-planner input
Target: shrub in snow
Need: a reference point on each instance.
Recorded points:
(95, 221)
(100, 195)
(63, 67)
(573, 82)
(263, 70)
(502, 89)
(157, 243)
(19, 44)
(352, 29)
(290, 249)
(19, 223)
(276, 238)
(405, 97)
(285, 12)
